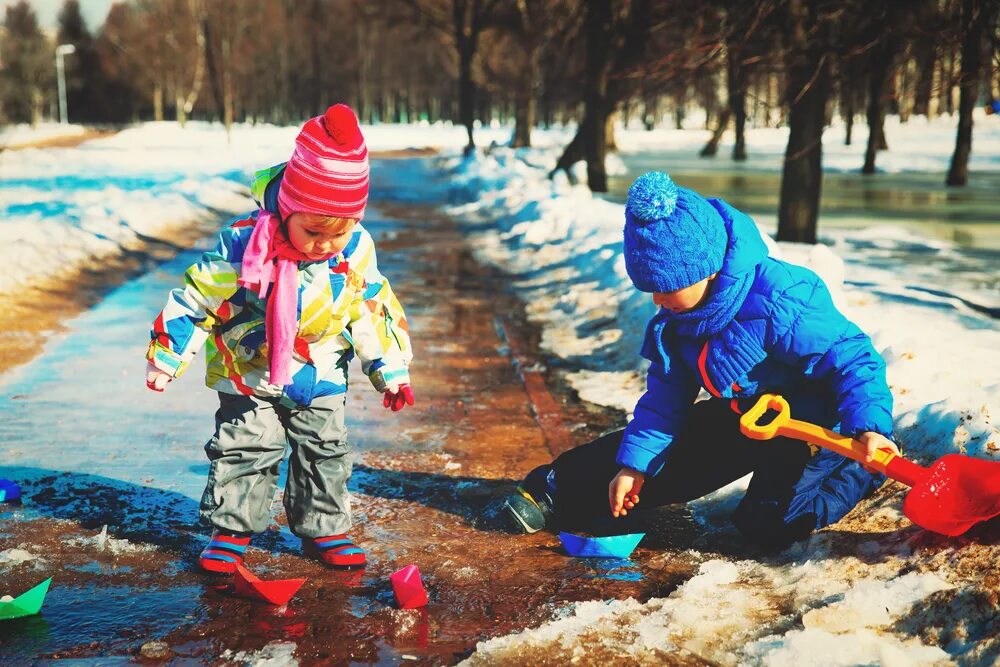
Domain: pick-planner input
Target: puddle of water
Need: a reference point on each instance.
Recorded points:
(95, 567)
(113, 618)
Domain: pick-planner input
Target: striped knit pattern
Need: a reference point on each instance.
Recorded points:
(328, 172)
(336, 550)
(223, 553)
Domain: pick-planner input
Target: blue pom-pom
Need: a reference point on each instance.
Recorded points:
(652, 196)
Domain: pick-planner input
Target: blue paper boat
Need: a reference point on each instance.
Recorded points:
(614, 546)
(9, 491)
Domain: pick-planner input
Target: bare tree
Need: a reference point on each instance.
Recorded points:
(26, 76)
(807, 61)
(620, 61)
(512, 62)
(464, 21)
(978, 20)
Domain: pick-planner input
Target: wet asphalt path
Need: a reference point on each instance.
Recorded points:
(93, 448)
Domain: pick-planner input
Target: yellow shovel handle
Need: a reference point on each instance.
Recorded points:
(784, 425)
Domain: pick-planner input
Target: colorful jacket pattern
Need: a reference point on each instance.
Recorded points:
(346, 307)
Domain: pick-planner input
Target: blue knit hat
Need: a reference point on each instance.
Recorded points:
(674, 238)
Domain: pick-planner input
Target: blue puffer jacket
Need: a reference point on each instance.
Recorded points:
(786, 337)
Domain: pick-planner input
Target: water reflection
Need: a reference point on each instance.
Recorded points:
(967, 216)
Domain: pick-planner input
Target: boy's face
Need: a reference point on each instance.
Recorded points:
(685, 299)
(318, 236)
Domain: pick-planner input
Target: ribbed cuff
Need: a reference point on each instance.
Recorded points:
(166, 360)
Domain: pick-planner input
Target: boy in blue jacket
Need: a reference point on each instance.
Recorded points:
(738, 323)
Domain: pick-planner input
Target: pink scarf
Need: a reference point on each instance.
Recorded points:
(270, 258)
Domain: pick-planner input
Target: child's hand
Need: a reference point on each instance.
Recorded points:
(155, 378)
(874, 442)
(397, 397)
(623, 492)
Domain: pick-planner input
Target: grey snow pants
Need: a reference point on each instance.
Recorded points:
(251, 436)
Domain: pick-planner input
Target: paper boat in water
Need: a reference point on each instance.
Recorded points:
(9, 491)
(614, 546)
(28, 603)
(277, 591)
(408, 588)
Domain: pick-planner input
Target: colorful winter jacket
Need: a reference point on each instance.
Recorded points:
(345, 307)
(786, 337)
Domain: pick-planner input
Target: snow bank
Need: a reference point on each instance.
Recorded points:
(63, 208)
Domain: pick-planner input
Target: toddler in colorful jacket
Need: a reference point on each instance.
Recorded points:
(737, 323)
(283, 302)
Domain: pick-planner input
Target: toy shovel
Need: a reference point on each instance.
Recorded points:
(955, 493)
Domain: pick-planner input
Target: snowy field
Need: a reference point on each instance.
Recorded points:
(889, 597)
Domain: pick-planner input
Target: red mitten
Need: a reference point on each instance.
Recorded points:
(398, 399)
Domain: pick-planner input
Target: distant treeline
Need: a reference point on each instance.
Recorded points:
(737, 62)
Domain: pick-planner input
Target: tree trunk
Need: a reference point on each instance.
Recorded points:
(591, 139)
(975, 18)
(466, 91)
(948, 88)
(157, 102)
(213, 72)
(847, 99)
(924, 87)
(736, 76)
(227, 88)
(650, 112)
(572, 154)
(526, 99)
(807, 91)
(712, 147)
(595, 97)
(879, 70)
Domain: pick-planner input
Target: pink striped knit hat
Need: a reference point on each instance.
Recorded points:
(328, 172)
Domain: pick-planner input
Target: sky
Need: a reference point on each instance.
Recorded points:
(94, 11)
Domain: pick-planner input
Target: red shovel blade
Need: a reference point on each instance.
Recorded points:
(278, 591)
(957, 493)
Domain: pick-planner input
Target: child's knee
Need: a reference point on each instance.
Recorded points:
(767, 523)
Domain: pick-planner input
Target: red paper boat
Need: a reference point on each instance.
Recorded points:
(278, 591)
(408, 588)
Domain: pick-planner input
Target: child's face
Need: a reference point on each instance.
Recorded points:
(685, 299)
(318, 236)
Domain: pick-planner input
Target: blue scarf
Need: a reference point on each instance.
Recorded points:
(726, 294)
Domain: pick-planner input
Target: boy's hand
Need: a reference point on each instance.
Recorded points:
(397, 397)
(155, 378)
(874, 442)
(623, 492)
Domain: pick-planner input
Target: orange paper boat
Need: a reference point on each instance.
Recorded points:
(278, 591)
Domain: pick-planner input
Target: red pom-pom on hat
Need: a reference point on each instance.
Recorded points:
(328, 172)
(341, 124)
